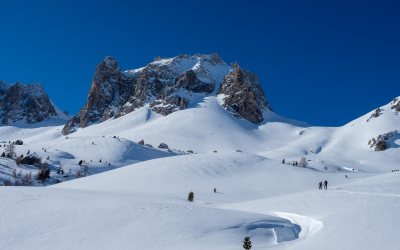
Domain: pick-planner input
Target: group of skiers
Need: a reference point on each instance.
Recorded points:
(325, 185)
(395, 170)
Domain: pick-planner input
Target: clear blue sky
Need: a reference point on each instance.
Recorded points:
(323, 62)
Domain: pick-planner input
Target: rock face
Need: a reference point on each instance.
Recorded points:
(28, 103)
(165, 86)
(244, 96)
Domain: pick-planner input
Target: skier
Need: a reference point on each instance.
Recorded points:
(325, 185)
(346, 176)
(320, 185)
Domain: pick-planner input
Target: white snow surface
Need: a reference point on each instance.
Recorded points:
(136, 197)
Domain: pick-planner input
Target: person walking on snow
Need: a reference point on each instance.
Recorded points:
(325, 185)
(320, 185)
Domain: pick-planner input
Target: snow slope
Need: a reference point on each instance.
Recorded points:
(277, 205)
(140, 193)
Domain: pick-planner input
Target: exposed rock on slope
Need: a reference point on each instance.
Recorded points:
(166, 85)
(243, 95)
(380, 143)
(25, 102)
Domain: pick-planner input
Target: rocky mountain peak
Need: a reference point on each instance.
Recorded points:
(244, 96)
(26, 102)
(164, 85)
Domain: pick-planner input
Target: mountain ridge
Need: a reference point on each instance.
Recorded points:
(159, 84)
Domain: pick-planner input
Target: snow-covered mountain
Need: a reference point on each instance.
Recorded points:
(147, 137)
(26, 103)
(168, 85)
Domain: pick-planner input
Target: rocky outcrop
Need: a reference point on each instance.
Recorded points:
(163, 146)
(396, 107)
(244, 97)
(380, 143)
(26, 102)
(31, 159)
(71, 125)
(166, 85)
(375, 114)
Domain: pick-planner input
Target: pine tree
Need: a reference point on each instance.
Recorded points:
(283, 161)
(190, 196)
(247, 243)
(80, 163)
(215, 190)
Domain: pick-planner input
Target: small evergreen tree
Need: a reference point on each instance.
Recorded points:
(29, 151)
(3, 154)
(100, 160)
(80, 163)
(190, 196)
(283, 161)
(247, 243)
(215, 190)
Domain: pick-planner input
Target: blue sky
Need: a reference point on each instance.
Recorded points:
(323, 62)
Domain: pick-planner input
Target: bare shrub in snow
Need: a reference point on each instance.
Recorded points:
(18, 160)
(303, 162)
(85, 170)
(27, 179)
(190, 196)
(10, 150)
(7, 182)
(17, 183)
(14, 173)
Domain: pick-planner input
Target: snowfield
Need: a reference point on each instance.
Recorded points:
(136, 197)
